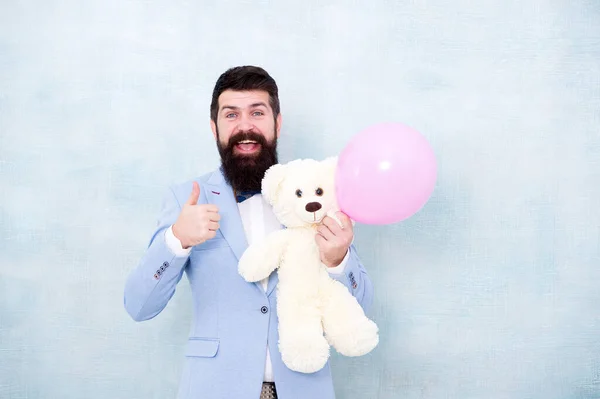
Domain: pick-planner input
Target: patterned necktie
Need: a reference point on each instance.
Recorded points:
(244, 195)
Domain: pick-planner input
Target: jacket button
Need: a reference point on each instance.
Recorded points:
(264, 309)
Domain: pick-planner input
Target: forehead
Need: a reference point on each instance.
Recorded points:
(243, 99)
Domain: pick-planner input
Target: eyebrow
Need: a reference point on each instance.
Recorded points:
(254, 105)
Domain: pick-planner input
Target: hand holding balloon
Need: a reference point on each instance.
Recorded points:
(385, 174)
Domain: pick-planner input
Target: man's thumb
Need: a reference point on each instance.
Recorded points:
(193, 200)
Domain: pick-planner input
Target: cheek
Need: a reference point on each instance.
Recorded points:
(301, 207)
(225, 129)
(328, 201)
(224, 137)
(267, 128)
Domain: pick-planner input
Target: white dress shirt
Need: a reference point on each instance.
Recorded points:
(258, 220)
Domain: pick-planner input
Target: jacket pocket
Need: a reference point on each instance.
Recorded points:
(202, 347)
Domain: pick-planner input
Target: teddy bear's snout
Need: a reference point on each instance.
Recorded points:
(312, 206)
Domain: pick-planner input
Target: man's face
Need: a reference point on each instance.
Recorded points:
(246, 132)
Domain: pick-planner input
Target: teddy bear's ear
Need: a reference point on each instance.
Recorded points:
(331, 163)
(271, 183)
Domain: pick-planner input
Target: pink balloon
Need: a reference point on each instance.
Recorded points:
(385, 174)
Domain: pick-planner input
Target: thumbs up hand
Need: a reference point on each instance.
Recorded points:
(196, 223)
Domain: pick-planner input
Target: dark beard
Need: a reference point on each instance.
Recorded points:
(245, 172)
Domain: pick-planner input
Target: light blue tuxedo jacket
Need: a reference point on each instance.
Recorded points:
(233, 320)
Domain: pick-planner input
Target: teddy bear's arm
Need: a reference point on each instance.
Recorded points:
(261, 258)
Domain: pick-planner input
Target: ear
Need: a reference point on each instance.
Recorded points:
(331, 163)
(278, 130)
(330, 167)
(213, 127)
(271, 183)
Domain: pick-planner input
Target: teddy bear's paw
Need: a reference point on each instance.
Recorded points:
(248, 269)
(357, 341)
(305, 355)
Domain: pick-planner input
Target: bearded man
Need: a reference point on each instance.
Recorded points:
(203, 229)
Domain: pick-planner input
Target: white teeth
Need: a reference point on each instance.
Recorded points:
(247, 142)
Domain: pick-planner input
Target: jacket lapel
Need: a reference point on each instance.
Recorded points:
(220, 194)
(273, 280)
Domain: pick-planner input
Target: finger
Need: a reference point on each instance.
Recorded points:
(213, 226)
(214, 216)
(193, 199)
(211, 208)
(325, 232)
(321, 241)
(344, 219)
(332, 225)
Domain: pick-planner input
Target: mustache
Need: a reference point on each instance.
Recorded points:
(247, 135)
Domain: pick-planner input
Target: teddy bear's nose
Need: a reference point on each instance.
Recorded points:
(312, 206)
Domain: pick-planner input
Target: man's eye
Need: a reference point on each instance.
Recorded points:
(258, 113)
(230, 115)
(298, 193)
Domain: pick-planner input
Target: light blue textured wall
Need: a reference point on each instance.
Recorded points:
(491, 292)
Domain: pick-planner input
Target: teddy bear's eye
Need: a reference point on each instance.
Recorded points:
(319, 191)
(298, 193)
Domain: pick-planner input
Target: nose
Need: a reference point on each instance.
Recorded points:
(312, 206)
(244, 123)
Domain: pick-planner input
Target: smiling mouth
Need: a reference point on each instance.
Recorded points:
(247, 147)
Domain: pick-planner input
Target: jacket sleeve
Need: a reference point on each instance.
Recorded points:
(355, 277)
(152, 283)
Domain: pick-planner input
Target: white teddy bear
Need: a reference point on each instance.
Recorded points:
(314, 310)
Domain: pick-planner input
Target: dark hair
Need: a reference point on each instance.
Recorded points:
(245, 78)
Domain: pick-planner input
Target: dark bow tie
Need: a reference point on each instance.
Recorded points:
(244, 195)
